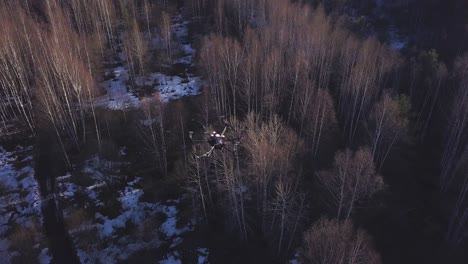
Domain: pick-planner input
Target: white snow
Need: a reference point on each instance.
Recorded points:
(5, 255)
(62, 178)
(136, 212)
(171, 259)
(119, 94)
(295, 260)
(398, 44)
(169, 226)
(180, 27)
(243, 189)
(175, 87)
(203, 255)
(44, 257)
(148, 122)
(19, 197)
(67, 189)
(20, 200)
(7, 172)
(396, 41)
(123, 246)
(188, 49)
(123, 151)
(97, 185)
(133, 213)
(189, 54)
(130, 229)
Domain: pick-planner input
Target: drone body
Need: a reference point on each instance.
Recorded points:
(218, 141)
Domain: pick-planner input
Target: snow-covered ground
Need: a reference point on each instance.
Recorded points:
(136, 225)
(175, 87)
(295, 260)
(105, 211)
(119, 94)
(396, 40)
(20, 204)
(117, 91)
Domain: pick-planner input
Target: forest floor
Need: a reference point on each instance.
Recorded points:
(108, 215)
(172, 82)
(20, 207)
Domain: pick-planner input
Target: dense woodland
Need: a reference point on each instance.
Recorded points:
(351, 151)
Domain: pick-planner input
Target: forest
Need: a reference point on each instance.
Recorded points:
(234, 131)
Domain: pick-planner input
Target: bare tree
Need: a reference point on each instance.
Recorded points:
(455, 141)
(221, 58)
(316, 115)
(17, 67)
(151, 130)
(166, 31)
(428, 76)
(454, 160)
(363, 68)
(272, 150)
(286, 209)
(351, 181)
(387, 124)
(135, 50)
(334, 242)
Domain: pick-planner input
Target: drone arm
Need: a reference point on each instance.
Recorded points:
(224, 130)
(232, 139)
(207, 154)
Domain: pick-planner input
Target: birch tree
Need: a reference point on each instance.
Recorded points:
(166, 32)
(387, 124)
(454, 160)
(272, 149)
(350, 182)
(334, 242)
(151, 130)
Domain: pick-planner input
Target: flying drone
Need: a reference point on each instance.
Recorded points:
(217, 141)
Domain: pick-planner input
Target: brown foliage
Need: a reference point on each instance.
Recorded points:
(293, 66)
(136, 48)
(454, 160)
(151, 130)
(386, 126)
(351, 180)
(23, 239)
(76, 218)
(47, 71)
(263, 173)
(334, 242)
(17, 34)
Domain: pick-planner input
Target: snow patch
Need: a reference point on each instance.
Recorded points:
(118, 90)
(295, 260)
(5, 255)
(202, 255)
(175, 87)
(171, 258)
(19, 197)
(118, 96)
(148, 122)
(44, 257)
(169, 226)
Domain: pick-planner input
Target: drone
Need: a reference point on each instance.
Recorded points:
(218, 141)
